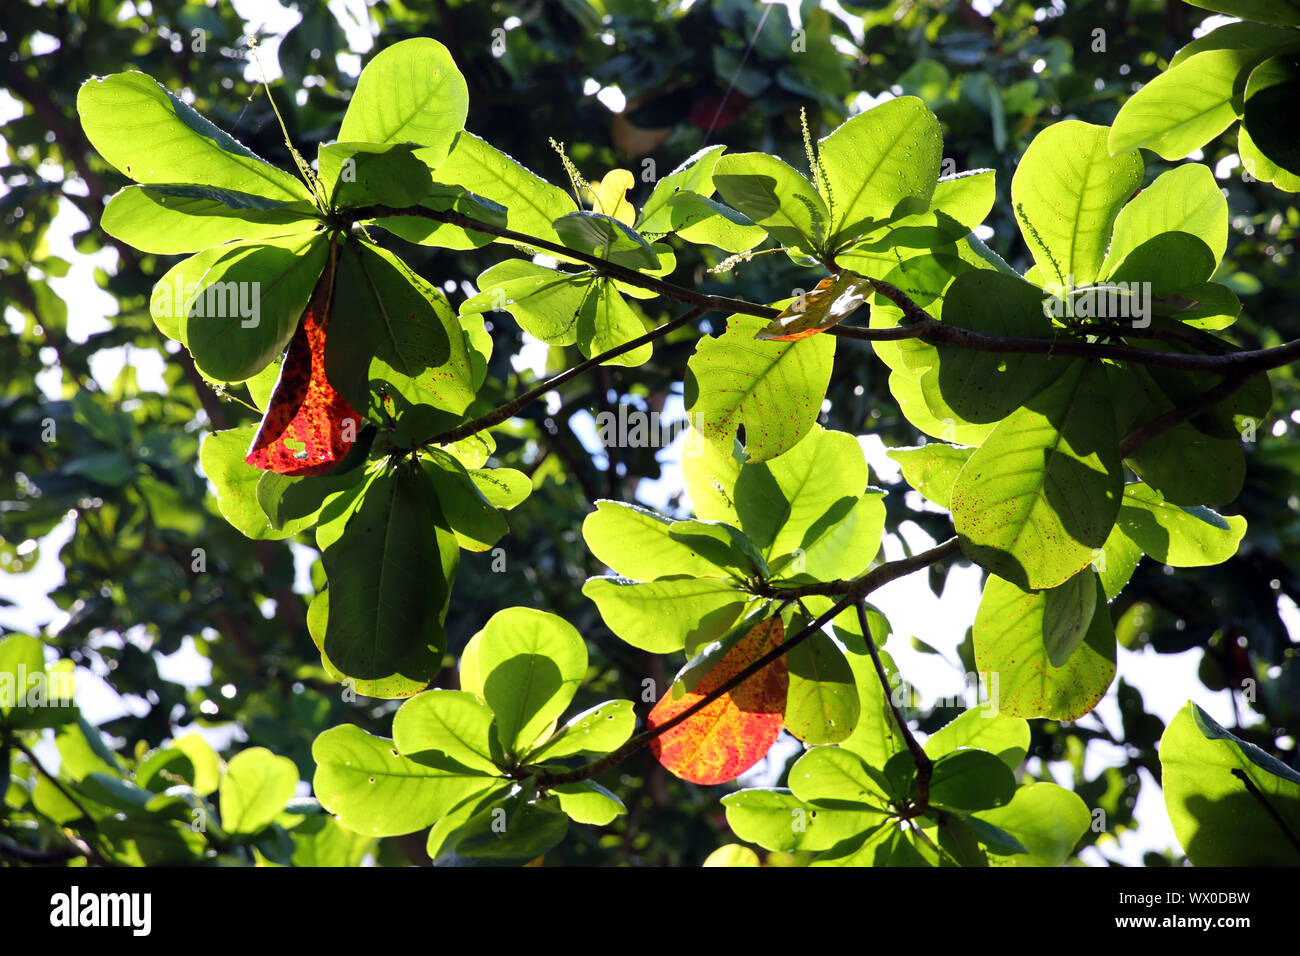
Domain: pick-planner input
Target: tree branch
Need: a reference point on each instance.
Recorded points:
(499, 415)
(918, 323)
(854, 591)
(1175, 417)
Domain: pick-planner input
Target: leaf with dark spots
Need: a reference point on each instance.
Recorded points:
(734, 732)
(308, 427)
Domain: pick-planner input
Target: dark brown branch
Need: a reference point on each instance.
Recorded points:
(712, 303)
(918, 324)
(854, 591)
(1175, 417)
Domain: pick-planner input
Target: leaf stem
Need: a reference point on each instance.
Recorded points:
(503, 412)
(924, 766)
(1271, 810)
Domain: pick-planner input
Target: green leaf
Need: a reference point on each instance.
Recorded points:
(410, 92)
(204, 760)
(1010, 647)
(28, 692)
(731, 855)
(1231, 804)
(635, 542)
(533, 203)
(1185, 107)
(1283, 12)
(880, 164)
(668, 615)
(822, 705)
(971, 780)
(513, 830)
(965, 197)
(296, 501)
(693, 177)
(1067, 616)
(531, 664)
(721, 545)
(779, 501)
(1170, 264)
(1181, 537)
(774, 196)
(360, 174)
(1039, 498)
(983, 728)
(400, 336)
(1118, 560)
(825, 774)
(986, 387)
(707, 222)
(545, 302)
(373, 789)
(1067, 191)
(597, 730)
(477, 524)
(588, 802)
(321, 841)
(1184, 199)
(931, 469)
(152, 137)
(606, 237)
(441, 725)
(174, 293)
(1272, 94)
(180, 219)
(1184, 464)
(775, 389)
(252, 300)
(390, 575)
(780, 821)
(710, 474)
(502, 487)
(442, 197)
(222, 458)
(876, 738)
(1047, 819)
(606, 320)
(256, 786)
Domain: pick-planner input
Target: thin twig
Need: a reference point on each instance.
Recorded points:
(499, 415)
(854, 591)
(924, 766)
(1271, 810)
(1175, 417)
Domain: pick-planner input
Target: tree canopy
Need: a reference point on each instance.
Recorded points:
(545, 392)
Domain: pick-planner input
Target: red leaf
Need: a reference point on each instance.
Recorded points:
(308, 427)
(736, 731)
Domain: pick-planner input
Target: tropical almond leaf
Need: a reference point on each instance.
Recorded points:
(833, 301)
(308, 427)
(734, 732)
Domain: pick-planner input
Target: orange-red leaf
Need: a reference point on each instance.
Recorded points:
(833, 301)
(736, 731)
(308, 427)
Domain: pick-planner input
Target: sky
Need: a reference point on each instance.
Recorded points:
(913, 610)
